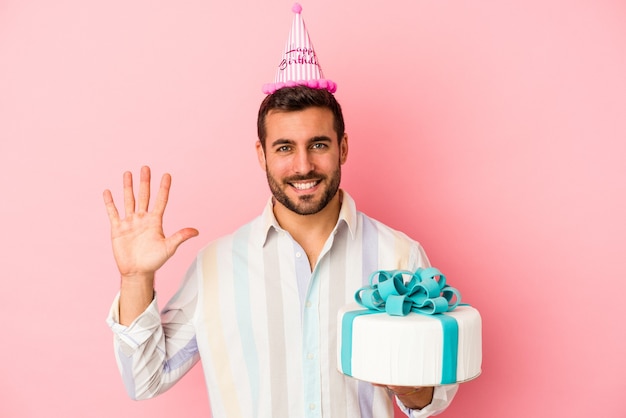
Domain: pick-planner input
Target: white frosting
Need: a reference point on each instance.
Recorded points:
(407, 350)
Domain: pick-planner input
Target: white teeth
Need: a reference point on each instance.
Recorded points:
(304, 186)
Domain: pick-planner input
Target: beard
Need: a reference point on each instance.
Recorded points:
(305, 204)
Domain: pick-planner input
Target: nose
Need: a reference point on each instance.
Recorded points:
(303, 162)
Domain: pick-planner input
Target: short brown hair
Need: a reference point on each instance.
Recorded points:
(291, 99)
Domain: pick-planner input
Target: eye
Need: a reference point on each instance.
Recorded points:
(319, 145)
(283, 148)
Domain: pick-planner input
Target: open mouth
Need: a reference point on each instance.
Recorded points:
(305, 185)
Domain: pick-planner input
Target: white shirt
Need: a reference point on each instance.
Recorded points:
(265, 325)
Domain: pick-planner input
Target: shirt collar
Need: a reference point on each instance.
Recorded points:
(347, 215)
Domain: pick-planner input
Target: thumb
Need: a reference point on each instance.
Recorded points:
(174, 241)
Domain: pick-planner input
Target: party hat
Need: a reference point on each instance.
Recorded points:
(299, 64)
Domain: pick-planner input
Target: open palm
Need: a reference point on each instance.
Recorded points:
(140, 247)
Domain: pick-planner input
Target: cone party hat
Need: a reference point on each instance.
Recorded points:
(299, 64)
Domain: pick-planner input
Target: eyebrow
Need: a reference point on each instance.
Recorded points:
(285, 141)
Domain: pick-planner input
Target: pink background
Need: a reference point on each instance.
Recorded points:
(493, 132)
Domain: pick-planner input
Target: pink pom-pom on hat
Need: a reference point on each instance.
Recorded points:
(299, 64)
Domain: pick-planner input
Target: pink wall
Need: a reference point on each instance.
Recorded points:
(493, 132)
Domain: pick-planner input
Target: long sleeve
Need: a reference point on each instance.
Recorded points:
(156, 350)
(442, 397)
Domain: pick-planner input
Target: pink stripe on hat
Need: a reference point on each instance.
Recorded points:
(299, 64)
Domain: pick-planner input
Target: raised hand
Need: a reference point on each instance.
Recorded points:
(140, 247)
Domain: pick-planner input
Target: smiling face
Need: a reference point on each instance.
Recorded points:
(302, 158)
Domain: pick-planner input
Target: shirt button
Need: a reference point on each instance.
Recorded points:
(310, 356)
(307, 304)
(311, 406)
(298, 254)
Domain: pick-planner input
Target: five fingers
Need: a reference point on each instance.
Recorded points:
(143, 200)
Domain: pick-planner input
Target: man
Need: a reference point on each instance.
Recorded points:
(259, 306)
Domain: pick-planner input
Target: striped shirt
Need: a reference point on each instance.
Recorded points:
(265, 325)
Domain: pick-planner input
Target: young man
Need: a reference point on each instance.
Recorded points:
(259, 306)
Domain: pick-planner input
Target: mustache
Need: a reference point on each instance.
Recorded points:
(305, 177)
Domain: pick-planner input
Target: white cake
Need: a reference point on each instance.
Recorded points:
(408, 350)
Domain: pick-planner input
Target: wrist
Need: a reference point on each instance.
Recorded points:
(136, 294)
(137, 278)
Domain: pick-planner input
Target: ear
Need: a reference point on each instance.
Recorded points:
(343, 149)
(260, 154)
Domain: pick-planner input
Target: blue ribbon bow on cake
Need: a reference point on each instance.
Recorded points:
(426, 292)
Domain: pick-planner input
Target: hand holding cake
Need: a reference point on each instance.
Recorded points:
(413, 397)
